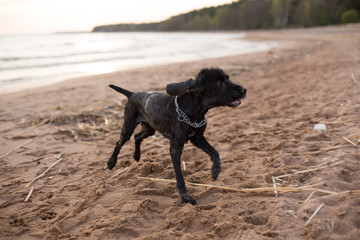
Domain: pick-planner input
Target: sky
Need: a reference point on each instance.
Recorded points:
(48, 16)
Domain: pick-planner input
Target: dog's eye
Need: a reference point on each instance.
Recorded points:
(219, 83)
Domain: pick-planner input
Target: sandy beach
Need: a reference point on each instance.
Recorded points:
(268, 141)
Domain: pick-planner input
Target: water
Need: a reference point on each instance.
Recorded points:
(28, 61)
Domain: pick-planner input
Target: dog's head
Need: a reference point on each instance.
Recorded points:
(213, 86)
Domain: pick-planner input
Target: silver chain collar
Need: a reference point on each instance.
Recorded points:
(182, 117)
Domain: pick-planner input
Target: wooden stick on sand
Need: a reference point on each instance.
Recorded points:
(29, 195)
(312, 216)
(274, 184)
(118, 173)
(309, 170)
(349, 141)
(58, 158)
(265, 189)
(308, 198)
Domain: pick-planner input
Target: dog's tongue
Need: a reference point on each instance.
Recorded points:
(236, 103)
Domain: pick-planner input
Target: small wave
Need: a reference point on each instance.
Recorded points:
(7, 59)
(12, 80)
(54, 64)
(31, 60)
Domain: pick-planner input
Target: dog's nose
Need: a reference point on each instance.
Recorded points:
(243, 90)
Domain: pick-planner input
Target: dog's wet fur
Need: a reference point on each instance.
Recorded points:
(156, 111)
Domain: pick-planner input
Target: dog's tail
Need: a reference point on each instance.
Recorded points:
(127, 93)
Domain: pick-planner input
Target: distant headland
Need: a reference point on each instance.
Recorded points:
(247, 15)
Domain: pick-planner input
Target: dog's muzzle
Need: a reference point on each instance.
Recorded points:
(237, 102)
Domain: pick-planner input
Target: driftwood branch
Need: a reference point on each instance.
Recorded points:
(264, 189)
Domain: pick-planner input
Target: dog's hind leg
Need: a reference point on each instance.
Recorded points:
(203, 144)
(145, 132)
(127, 130)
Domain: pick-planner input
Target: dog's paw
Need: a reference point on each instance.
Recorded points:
(136, 156)
(187, 198)
(111, 164)
(215, 171)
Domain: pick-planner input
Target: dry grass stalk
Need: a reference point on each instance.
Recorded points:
(346, 192)
(324, 163)
(118, 173)
(38, 159)
(190, 183)
(58, 172)
(274, 184)
(37, 125)
(158, 144)
(341, 122)
(280, 128)
(306, 153)
(16, 137)
(308, 170)
(353, 78)
(313, 185)
(16, 148)
(317, 190)
(255, 133)
(265, 189)
(184, 166)
(356, 154)
(29, 195)
(58, 158)
(317, 152)
(312, 216)
(349, 137)
(349, 141)
(308, 198)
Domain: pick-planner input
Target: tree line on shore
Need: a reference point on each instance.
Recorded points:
(253, 14)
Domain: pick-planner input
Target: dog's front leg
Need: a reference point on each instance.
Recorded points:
(202, 143)
(175, 152)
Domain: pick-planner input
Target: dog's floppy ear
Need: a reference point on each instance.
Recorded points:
(178, 89)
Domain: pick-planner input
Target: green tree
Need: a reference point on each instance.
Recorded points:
(255, 15)
(303, 14)
(280, 10)
(350, 16)
(320, 13)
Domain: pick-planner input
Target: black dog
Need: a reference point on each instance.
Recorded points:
(179, 117)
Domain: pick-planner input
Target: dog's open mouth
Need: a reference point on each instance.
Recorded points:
(235, 103)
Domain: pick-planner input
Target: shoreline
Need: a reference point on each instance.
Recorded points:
(313, 78)
(106, 54)
(251, 35)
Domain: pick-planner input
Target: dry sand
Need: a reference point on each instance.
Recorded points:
(313, 78)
